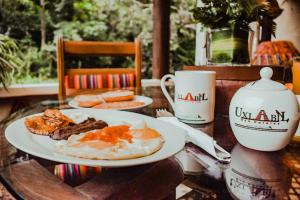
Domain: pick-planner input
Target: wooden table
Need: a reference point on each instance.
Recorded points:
(274, 174)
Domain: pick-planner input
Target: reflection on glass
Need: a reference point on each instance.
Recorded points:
(256, 174)
(188, 163)
(227, 46)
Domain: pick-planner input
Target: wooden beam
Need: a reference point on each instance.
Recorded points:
(237, 73)
(161, 37)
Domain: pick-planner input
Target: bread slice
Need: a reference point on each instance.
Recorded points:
(37, 125)
(118, 95)
(119, 105)
(88, 100)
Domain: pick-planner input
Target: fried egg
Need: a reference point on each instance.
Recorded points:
(79, 117)
(114, 142)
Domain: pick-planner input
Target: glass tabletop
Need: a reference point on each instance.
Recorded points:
(250, 174)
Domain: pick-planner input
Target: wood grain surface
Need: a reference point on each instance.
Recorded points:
(33, 181)
(147, 182)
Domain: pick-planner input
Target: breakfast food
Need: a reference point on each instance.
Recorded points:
(88, 125)
(56, 114)
(112, 143)
(120, 105)
(58, 126)
(88, 100)
(118, 99)
(46, 124)
(118, 95)
(37, 125)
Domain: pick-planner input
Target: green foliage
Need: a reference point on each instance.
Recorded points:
(9, 62)
(39, 64)
(23, 62)
(235, 13)
(76, 30)
(182, 41)
(109, 21)
(101, 20)
(19, 18)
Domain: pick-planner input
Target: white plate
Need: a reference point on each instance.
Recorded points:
(147, 101)
(43, 146)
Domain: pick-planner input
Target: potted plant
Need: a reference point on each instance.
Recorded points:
(227, 22)
(8, 60)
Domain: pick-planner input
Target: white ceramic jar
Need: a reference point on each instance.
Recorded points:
(264, 114)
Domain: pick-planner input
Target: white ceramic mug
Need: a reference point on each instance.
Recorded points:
(194, 95)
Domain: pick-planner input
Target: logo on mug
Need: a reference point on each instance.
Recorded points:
(192, 98)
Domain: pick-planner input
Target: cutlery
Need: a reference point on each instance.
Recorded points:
(196, 137)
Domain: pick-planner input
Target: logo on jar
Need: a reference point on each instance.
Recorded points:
(192, 98)
(261, 121)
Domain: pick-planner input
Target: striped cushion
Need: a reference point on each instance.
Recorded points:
(98, 81)
(74, 171)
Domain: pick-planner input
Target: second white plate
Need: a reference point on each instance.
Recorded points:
(147, 101)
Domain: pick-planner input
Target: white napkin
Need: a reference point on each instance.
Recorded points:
(200, 139)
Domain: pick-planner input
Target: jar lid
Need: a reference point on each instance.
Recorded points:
(265, 83)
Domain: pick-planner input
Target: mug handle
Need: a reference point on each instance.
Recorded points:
(164, 90)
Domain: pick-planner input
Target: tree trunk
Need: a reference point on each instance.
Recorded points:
(43, 23)
(161, 37)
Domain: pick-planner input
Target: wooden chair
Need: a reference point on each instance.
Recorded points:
(86, 80)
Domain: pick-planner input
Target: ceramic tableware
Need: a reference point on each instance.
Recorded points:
(194, 95)
(44, 147)
(146, 100)
(264, 114)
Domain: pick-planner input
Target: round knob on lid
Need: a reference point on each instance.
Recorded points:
(266, 73)
(265, 83)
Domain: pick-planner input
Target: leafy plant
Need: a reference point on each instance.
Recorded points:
(183, 33)
(236, 13)
(38, 64)
(8, 60)
(19, 19)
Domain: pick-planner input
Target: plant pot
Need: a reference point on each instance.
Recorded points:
(229, 46)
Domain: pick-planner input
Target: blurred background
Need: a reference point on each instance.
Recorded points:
(34, 26)
(29, 28)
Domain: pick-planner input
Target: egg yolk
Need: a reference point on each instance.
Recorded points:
(110, 134)
(145, 134)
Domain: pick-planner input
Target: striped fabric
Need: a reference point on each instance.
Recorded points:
(98, 81)
(73, 171)
(276, 59)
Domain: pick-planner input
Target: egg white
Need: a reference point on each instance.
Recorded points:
(79, 117)
(121, 150)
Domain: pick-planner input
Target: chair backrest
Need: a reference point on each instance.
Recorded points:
(84, 80)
